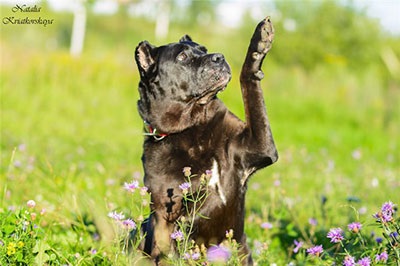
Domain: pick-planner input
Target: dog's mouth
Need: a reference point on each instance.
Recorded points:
(218, 83)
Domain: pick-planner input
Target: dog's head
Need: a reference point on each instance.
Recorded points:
(177, 81)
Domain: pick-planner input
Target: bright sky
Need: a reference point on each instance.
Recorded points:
(387, 11)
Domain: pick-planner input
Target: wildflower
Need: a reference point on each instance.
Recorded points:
(349, 261)
(143, 191)
(277, 183)
(43, 212)
(11, 248)
(33, 216)
(312, 221)
(379, 240)
(335, 234)
(388, 207)
(298, 245)
(193, 256)
(116, 216)
(129, 224)
(208, 173)
(218, 254)
(383, 257)
(93, 251)
(385, 215)
(393, 235)
(185, 187)
(20, 244)
(364, 262)
(266, 225)
(177, 235)
(354, 227)
(187, 171)
(132, 186)
(229, 234)
(315, 250)
(31, 204)
(196, 256)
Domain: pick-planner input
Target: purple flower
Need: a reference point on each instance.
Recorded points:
(218, 254)
(315, 250)
(132, 186)
(354, 227)
(177, 235)
(349, 261)
(129, 224)
(185, 187)
(388, 207)
(335, 234)
(385, 215)
(196, 256)
(193, 256)
(266, 225)
(116, 216)
(379, 240)
(364, 262)
(312, 221)
(383, 257)
(298, 245)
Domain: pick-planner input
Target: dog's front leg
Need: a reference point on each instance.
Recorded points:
(257, 136)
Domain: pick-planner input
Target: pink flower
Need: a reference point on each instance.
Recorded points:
(315, 250)
(364, 262)
(129, 224)
(131, 187)
(177, 235)
(266, 225)
(31, 204)
(383, 257)
(185, 187)
(218, 254)
(354, 227)
(116, 216)
(335, 234)
(298, 245)
(349, 261)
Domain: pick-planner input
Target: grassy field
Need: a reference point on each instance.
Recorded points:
(71, 136)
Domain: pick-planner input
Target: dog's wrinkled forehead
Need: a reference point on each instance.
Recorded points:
(181, 51)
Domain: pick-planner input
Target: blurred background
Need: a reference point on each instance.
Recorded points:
(71, 135)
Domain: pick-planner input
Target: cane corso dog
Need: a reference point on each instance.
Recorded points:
(188, 126)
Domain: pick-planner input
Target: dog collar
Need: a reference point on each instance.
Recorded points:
(151, 131)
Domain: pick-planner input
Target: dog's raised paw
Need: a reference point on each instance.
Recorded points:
(263, 36)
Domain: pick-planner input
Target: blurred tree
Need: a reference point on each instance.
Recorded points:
(326, 32)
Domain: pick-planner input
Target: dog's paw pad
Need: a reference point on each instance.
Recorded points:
(264, 36)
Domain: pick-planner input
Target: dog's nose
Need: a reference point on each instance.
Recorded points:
(217, 58)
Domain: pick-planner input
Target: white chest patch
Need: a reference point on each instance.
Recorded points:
(215, 181)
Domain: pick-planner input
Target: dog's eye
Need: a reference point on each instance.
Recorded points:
(182, 56)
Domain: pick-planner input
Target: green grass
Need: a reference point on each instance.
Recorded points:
(71, 136)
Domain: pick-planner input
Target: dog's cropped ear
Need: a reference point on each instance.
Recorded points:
(186, 38)
(144, 56)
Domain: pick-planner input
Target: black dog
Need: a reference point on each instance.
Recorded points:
(190, 127)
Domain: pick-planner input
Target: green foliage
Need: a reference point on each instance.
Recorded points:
(326, 32)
